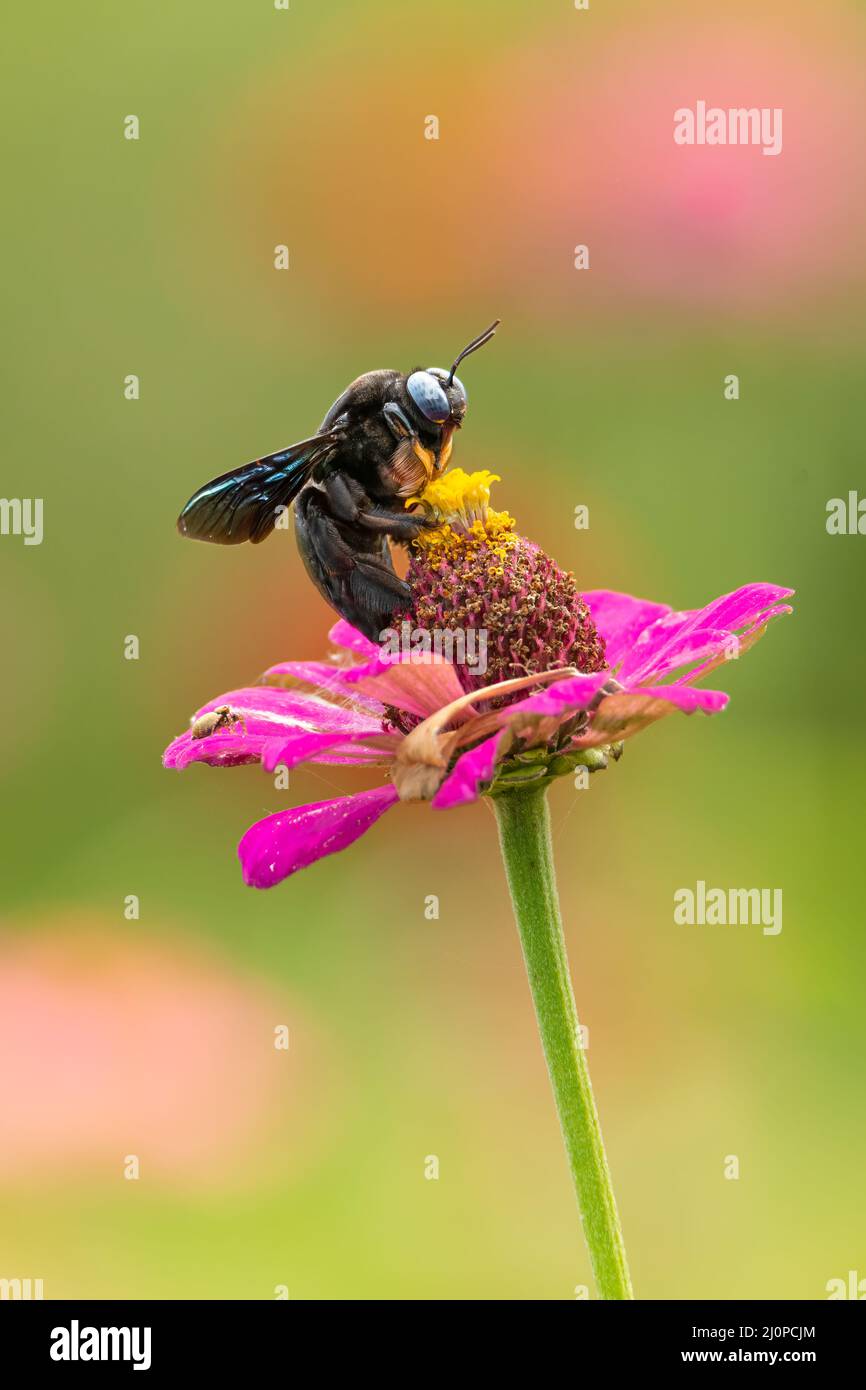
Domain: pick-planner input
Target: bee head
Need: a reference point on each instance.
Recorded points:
(439, 395)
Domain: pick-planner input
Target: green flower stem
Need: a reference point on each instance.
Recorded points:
(524, 835)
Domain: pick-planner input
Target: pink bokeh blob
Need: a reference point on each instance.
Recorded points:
(115, 1044)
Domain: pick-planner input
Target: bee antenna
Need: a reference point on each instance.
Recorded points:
(474, 346)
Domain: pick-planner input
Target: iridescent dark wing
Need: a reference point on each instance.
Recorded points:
(244, 505)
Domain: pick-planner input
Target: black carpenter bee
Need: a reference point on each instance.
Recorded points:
(384, 438)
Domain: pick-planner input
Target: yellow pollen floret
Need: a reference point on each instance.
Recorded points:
(458, 502)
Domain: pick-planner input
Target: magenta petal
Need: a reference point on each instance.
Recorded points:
(744, 640)
(322, 674)
(687, 698)
(562, 697)
(270, 708)
(656, 651)
(469, 772)
(278, 846)
(226, 748)
(741, 606)
(674, 652)
(620, 619)
(628, 712)
(327, 680)
(422, 688)
(342, 634)
(302, 746)
(267, 713)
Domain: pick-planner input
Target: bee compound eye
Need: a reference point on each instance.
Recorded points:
(429, 396)
(456, 387)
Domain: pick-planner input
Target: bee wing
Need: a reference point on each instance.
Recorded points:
(242, 505)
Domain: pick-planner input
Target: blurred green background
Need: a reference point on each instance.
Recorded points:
(604, 387)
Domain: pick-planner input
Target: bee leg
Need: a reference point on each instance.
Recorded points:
(349, 502)
(399, 526)
(358, 582)
(377, 593)
(323, 549)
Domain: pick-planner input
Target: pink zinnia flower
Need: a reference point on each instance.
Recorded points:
(569, 678)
